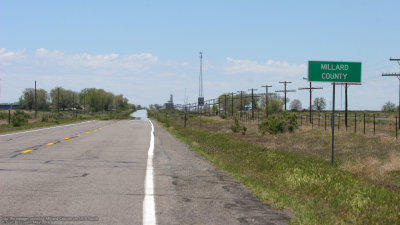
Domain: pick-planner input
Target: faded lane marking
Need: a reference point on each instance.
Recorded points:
(149, 205)
(66, 138)
(78, 135)
(26, 151)
(51, 143)
(87, 132)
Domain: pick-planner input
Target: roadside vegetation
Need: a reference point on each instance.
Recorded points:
(23, 119)
(62, 106)
(290, 169)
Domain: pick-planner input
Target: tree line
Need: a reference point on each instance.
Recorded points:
(88, 99)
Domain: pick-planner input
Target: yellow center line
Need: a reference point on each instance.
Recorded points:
(88, 132)
(26, 151)
(51, 143)
(78, 135)
(95, 130)
(66, 138)
(100, 128)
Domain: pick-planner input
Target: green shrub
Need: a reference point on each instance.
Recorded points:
(45, 117)
(236, 127)
(19, 118)
(244, 129)
(3, 115)
(279, 124)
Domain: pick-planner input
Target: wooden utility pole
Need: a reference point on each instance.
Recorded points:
(241, 100)
(252, 102)
(285, 90)
(266, 99)
(58, 99)
(398, 77)
(232, 104)
(346, 103)
(35, 100)
(310, 90)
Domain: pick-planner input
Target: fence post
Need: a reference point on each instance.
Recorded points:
(319, 120)
(9, 116)
(338, 126)
(325, 121)
(374, 124)
(301, 120)
(312, 122)
(355, 122)
(185, 120)
(364, 123)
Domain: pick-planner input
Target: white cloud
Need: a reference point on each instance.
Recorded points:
(235, 66)
(8, 57)
(138, 62)
(125, 74)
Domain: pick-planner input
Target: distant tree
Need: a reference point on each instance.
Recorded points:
(238, 101)
(63, 98)
(319, 103)
(43, 99)
(275, 103)
(157, 106)
(295, 105)
(28, 99)
(389, 107)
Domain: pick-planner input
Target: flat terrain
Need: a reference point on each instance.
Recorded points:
(95, 171)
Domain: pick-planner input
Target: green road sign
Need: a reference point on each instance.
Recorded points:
(343, 72)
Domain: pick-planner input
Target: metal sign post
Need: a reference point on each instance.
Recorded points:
(334, 72)
(333, 123)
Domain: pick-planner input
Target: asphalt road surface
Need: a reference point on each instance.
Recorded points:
(104, 172)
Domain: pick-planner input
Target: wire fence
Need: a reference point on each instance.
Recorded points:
(365, 123)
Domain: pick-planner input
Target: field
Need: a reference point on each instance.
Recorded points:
(292, 170)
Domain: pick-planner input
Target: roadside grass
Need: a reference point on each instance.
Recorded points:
(46, 119)
(373, 158)
(316, 191)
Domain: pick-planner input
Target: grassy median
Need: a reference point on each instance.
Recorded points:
(316, 191)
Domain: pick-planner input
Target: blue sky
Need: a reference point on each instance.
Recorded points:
(149, 49)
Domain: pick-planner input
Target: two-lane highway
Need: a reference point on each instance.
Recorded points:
(106, 172)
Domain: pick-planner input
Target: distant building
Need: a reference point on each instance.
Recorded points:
(9, 106)
(170, 104)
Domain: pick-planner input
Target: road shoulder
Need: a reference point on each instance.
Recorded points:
(191, 191)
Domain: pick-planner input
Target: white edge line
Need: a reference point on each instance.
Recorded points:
(149, 211)
(47, 128)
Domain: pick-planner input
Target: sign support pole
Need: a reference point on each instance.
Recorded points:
(333, 123)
